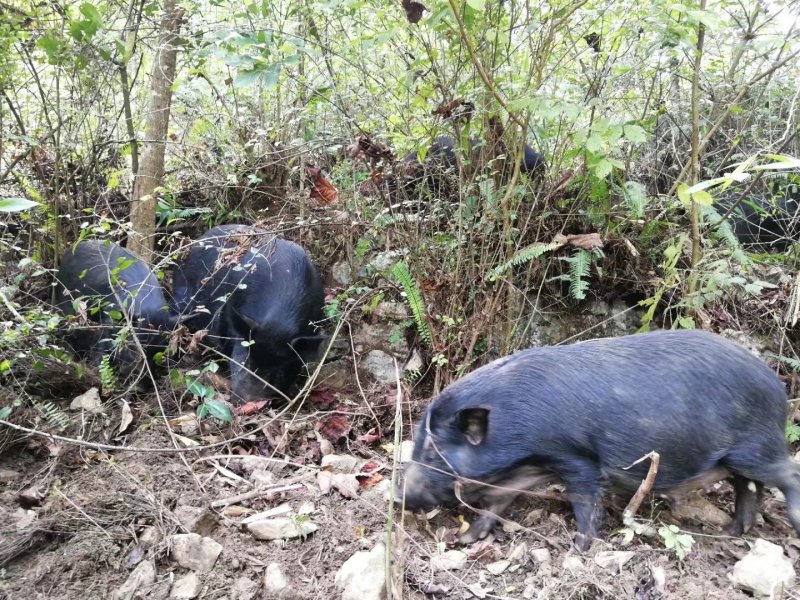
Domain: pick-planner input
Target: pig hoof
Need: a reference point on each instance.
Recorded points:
(583, 542)
(477, 531)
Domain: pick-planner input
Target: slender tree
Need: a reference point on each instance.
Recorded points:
(151, 165)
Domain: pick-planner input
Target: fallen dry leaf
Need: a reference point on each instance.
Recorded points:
(126, 417)
(346, 485)
(322, 190)
(458, 109)
(252, 407)
(324, 481)
(587, 241)
(334, 428)
(367, 481)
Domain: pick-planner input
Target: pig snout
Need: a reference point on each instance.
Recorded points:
(414, 491)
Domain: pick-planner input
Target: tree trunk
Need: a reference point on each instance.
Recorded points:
(151, 165)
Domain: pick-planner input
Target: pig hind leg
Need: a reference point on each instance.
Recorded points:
(748, 494)
(769, 466)
(583, 484)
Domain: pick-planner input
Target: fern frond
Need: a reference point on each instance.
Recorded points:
(523, 256)
(792, 363)
(415, 301)
(579, 264)
(54, 415)
(108, 379)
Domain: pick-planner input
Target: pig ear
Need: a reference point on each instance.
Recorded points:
(474, 423)
(249, 323)
(308, 345)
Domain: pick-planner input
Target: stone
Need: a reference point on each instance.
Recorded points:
(243, 588)
(699, 509)
(573, 564)
(613, 559)
(363, 575)
(451, 560)
(340, 463)
(414, 364)
(336, 374)
(498, 567)
(141, 577)
(381, 336)
(88, 401)
(541, 555)
(380, 365)
(764, 571)
(281, 528)
(195, 552)
(150, 536)
(186, 587)
(275, 583)
(342, 273)
(518, 552)
(383, 261)
(261, 478)
(196, 519)
(393, 311)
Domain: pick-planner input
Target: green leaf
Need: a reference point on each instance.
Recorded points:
(90, 12)
(478, 5)
(51, 47)
(635, 134)
(681, 543)
(11, 205)
(216, 409)
(703, 198)
(5, 412)
(195, 388)
(683, 194)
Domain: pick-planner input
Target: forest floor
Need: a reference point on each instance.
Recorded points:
(78, 521)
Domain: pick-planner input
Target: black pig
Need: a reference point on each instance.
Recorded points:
(582, 414)
(258, 296)
(112, 280)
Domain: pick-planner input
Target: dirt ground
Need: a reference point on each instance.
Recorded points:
(77, 521)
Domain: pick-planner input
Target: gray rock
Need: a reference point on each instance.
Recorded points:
(393, 311)
(150, 536)
(243, 588)
(380, 365)
(381, 336)
(196, 519)
(336, 374)
(275, 583)
(342, 273)
(451, 560)
(573, 564)
(88, 401)
(383, 261)
(141, 577)
(340, 463)
(765, 571)
(700, 509)
(363, 575)
(498, 567)
(186, 587)
(547, 327)
(282, 528)
(414, 364)
(541, 555)
(195, 552)
(613, 559)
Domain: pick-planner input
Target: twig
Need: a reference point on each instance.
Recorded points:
(644, 487)
(292, 484)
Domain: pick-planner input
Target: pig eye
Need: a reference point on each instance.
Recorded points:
(474, 423)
